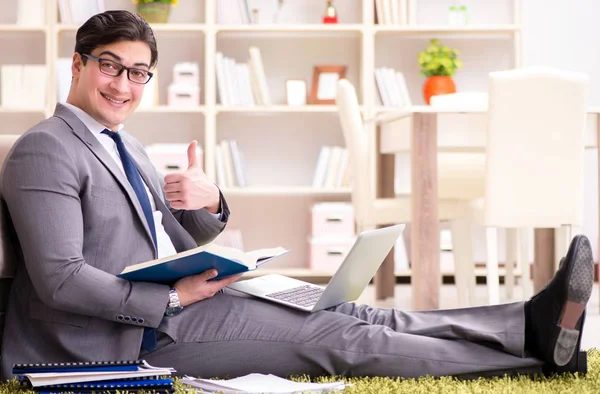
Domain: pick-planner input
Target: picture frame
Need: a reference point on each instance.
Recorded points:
(324, 83)
(295, 90)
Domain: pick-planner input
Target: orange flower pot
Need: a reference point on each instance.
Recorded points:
(438, 85)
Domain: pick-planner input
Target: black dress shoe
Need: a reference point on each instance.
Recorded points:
(555, 315)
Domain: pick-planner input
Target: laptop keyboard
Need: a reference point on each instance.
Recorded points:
(304, 296)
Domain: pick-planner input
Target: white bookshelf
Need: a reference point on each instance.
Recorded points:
(280, 142)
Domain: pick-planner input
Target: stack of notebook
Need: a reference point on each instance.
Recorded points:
(101, 376)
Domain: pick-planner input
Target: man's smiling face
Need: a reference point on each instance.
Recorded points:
(109, 100)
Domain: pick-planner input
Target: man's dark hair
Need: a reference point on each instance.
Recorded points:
(114, 26)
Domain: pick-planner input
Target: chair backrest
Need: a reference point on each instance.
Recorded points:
(535, 148)
(7, 267)
(357, 143)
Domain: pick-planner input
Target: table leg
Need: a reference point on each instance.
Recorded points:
(543, 261)
(425, 251)
(385, 277)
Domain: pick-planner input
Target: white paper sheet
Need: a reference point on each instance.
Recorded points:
(260, 383)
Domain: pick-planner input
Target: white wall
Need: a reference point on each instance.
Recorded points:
(566, 35)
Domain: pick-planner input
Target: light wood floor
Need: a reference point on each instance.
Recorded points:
(402, 300)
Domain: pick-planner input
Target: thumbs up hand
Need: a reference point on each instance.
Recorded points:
(192, 189)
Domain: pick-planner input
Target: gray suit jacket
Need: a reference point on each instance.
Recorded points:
(75, 222)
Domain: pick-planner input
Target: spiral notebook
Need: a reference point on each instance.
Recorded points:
(90, 373)
(89, 366)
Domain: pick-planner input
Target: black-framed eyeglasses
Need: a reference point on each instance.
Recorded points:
(114, 69)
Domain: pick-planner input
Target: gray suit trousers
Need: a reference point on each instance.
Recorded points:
(230, 335)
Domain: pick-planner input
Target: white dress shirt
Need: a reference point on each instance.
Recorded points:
(164, 243)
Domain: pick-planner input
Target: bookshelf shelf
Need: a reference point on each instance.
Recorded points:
(474, 30)
(4, 110)
(14, 28)
(158, 27)
(172, 110)
(290, 28)
(277, 109)
(285, 191)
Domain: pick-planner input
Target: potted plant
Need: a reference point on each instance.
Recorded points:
(155, 11)
(438, 63)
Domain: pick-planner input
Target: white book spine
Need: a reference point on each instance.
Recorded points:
(31, 12)
(237, 163)
(387, 12)
(228, 163)
(394, 12)
(390, 82)
(220, 167)
(261, 76)
(244, 72)
(383, 90)
(230, 81)
(403, 12)
(321, 167)
(401, 82)
(379, 12)
(221, 85)
(12, 92)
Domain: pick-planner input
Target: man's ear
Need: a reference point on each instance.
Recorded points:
(76, 66)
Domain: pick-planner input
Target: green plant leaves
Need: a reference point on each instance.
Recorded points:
(438, 59)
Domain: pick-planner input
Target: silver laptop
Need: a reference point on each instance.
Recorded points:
(347, 284)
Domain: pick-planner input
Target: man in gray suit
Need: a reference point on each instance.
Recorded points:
(81, 201)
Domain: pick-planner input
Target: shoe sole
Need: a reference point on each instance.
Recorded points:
(579, 291)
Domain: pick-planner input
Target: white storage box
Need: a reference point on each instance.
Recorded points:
(168, 158)
(183, 95)
(186, 74)
(333, 219)
(328, 253)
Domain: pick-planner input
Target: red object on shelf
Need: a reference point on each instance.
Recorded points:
(438, 85)
(330, 13)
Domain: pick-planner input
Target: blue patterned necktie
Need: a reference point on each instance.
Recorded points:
(135, 179)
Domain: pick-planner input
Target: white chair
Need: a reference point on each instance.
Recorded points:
(371, 212)
(479, 101)
(534, 160)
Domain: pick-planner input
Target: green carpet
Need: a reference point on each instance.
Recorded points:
(565, 384)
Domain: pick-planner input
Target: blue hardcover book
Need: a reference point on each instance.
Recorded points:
(227, 261)
(148, 384)
(88, 374)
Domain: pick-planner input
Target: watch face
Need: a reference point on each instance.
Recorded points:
(173, 310)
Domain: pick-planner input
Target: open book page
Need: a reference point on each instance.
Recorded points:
(150, 263)
(249, 259)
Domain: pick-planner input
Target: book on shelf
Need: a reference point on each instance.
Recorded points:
(227, 262)
(332, 170)
(90, 375)
(230, 164)
(242, 84)
(392, 87)
(23, 86)
(391, 12)
(31, 13)
(78, 11)
(233, 12)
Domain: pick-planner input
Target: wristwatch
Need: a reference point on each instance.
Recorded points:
(174, 306)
